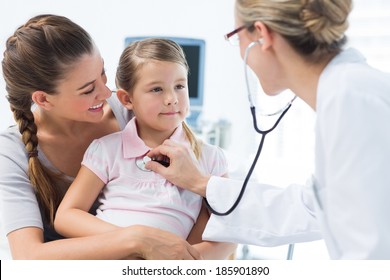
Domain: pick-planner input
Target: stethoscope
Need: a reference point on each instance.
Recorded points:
(263, 133)
(141, 161)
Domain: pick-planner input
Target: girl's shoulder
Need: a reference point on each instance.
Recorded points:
(213, 159)
(211, 150)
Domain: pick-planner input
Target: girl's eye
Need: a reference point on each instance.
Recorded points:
(157, 89)
(180, 87)
(90, 91)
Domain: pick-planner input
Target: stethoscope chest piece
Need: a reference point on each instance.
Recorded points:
(141, 161)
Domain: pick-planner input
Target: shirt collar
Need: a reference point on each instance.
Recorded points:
(133, 146)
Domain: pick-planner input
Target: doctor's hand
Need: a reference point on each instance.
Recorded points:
(182, 171)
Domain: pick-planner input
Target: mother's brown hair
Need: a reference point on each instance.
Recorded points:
(37, 56)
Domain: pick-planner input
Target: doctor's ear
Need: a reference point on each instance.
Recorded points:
(42, 99)
(124, 98)
(264, 34)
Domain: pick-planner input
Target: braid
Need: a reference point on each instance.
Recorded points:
(42, 179)
(27, 128)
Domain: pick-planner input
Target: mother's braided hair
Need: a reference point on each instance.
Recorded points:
(37, 56)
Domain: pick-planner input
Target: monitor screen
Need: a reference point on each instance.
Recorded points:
(194, 50)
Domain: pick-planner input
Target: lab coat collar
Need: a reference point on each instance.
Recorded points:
(133, 146)
(350, 55)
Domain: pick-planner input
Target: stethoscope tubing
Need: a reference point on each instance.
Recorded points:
(263, 133)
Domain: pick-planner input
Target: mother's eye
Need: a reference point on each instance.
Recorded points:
(90, 91)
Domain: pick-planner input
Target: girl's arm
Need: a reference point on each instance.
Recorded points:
(72, 217)
(208, 250)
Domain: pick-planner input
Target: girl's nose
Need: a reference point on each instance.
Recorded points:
(171, 98)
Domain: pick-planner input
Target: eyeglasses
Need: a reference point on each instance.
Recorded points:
(232, 37)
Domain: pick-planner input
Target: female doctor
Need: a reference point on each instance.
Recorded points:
(297, 45)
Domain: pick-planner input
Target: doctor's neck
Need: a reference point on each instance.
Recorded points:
(303, 76)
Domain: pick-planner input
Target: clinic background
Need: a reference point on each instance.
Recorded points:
(287, 156)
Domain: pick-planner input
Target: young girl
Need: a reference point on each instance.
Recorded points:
(152, 82)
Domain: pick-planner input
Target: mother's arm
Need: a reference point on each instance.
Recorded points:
(125, 243)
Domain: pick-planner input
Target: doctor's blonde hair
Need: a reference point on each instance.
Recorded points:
(313, 28)
(140, 52)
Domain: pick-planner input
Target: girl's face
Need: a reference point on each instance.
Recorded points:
(82, 94)
(160, 99)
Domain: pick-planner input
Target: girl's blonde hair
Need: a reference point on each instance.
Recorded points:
(140, 52)
(313, 28)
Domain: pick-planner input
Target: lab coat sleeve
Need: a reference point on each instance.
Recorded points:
(266, 215)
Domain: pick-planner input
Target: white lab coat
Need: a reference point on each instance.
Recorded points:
(347, 202)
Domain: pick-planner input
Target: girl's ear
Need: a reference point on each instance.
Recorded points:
(124, 98)
(42, 99)
(264, 34)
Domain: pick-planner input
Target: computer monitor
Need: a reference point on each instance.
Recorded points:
(194, 50)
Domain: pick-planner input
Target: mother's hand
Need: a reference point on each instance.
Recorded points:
(183, 170)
